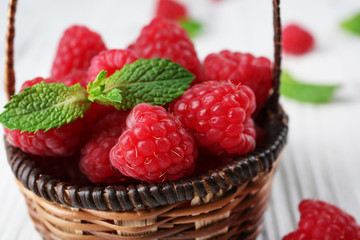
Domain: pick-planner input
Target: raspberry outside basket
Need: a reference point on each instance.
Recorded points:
(225, 203)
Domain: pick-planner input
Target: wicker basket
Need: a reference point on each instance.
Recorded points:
(225, 203)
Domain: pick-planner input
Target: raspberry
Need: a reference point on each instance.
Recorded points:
(77, 47)
(34, 81)
(218, 116)
(240, 68)
(296, 40)
(171, 10)
(166, 39)
(96, 112)
(62, 141)
(95, 162)
(323, 221)
(155, 147)
(110, 61)
(79, 76)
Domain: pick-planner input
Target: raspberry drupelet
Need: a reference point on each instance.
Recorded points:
(155, 147)
(218, 115)
(165, 38)
(240, 68)
(76, 48)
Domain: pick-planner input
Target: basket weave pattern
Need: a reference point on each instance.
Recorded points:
(224, 203)
(237, 213)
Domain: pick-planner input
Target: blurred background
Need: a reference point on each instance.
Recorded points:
(321, 160)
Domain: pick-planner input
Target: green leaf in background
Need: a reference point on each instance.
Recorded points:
(192, 27)
(305, 92)
(352, 24)
(45, 106)
(155, 81)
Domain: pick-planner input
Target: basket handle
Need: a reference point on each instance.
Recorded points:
(10, 73)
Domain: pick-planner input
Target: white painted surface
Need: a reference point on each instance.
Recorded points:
(321, 159)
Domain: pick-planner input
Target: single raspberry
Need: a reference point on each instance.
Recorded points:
(323, 221)
(218, 116)
(240, 68)
(62, 141)
(110, 61)
(155, 147)
(77, 47)
(95, 162)
(171, 10)
(36, 80)
(296, 40)
(165, 38)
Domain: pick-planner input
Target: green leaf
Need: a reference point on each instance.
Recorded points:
(306, 92)
(155, 81)
(45, 106)
(192, 27)
(352, 24)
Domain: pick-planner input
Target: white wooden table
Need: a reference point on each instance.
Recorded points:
(321, 159)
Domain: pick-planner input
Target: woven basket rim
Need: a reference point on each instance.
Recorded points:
(150, 195)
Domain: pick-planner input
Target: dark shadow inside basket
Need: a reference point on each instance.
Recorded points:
(60, 180)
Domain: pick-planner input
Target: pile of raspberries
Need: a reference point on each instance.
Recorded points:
(214, 117)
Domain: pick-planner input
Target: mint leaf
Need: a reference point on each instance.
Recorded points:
(155, 81)
(45, 106)
(96, 89)
(192, 27)
(352, 24)
(305, 92)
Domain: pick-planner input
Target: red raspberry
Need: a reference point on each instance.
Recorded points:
(77, 47)
(95, 162)
(110, 61)
(96, 112)
(323, 221)
(62, 141)
(296, 40)
(166, 39)
(218, 115)
(79, 76)
(155, 147)
(36, 80)
(240, 68)
(170, 9)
